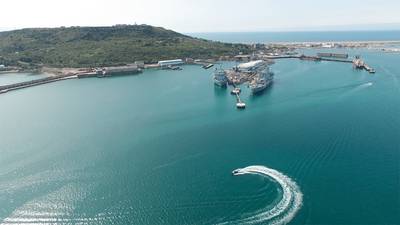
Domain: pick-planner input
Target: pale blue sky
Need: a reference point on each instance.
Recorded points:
(204, 15)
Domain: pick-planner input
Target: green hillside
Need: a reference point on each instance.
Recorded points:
(104, 46)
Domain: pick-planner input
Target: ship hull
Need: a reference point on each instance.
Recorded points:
(220, 83)
(261, 88)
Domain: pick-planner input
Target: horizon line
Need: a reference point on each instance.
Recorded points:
(329, 28)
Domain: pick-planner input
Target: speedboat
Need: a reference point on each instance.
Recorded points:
(236, 172)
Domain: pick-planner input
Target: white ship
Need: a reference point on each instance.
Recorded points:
(262, 80)
(220, 78)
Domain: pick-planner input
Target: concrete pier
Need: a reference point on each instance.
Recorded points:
(333, 55)
(239, 103)
(103, 72)
(360, 64)
(357, 63)
(337, 60)
(26, 84)
(310, 58)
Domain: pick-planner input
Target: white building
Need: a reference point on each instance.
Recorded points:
(251, 66)
(174, 62)
(139, 64)
(328, 45)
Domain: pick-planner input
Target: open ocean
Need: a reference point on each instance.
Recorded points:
(309, 36)
(160, 147)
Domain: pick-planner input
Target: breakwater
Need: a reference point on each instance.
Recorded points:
(25, 84)
(357, 62)
(333, 55)
(104, 72)
(309, 58)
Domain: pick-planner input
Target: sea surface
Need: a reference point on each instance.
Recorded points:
(160, 147)
(300, 36)
(11, 78)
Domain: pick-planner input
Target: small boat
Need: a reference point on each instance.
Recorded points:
(208, 66)
(236, 91)
(176, 68)
(170, 67)
(241, 105)
(236, 172)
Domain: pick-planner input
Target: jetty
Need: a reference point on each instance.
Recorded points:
(337, 60)
(333, 55)
(98, 72)
(239, 103)
(308, 58)
(111, 71)
(26, 84)
(358, 63)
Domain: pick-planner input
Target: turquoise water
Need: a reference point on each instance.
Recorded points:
(159, 148)
(11, 78)
(300, 36)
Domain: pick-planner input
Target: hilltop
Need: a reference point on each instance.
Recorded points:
(104, 46)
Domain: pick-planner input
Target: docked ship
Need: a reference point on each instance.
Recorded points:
(220, 78)
(262, 80)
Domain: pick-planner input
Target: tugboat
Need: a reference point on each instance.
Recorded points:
(262, 81)
(220, 78)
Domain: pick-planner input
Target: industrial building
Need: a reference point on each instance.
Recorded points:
(251, 66)
(333, 55)
(174, 62)
(243, 57)
(111, 71)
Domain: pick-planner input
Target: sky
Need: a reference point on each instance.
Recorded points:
(205, 15)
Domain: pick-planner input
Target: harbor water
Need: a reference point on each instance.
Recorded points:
(160, 148)
(12, 78)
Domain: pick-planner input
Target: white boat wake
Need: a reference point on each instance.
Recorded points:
(356, 89)
(284, 211)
